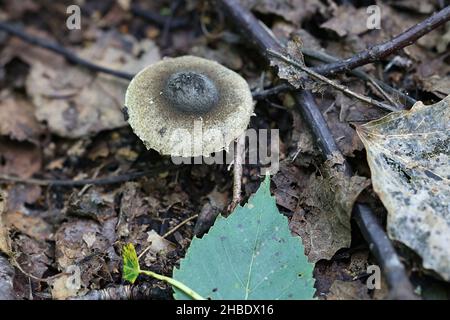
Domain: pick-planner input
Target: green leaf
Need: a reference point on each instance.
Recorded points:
(409, 158)
(249, 255)
(131, 267)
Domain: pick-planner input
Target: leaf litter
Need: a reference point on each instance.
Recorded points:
(409, 158)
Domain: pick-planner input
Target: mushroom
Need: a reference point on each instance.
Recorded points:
(188, 106)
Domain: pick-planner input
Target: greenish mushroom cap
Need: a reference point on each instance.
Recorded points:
(188, 106)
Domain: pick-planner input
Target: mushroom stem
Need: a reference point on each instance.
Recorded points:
(239, 147)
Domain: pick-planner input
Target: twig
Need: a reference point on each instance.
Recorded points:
(322, 78)
(182, 223)
(237, 172)
(159, 20)
(373, 233)
(263, 94)
(384, 49)
(326, 57)
(168, 233)
(66, 53)
(79, 183)
(166, 28)
(140, 291)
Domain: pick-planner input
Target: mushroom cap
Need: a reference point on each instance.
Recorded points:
(188, 106)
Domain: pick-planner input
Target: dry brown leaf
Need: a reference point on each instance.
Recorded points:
(21, 124)
(34, 227)
(75, 102)
(294, 11)
(348, 290)
(328, 201)
(19, 159)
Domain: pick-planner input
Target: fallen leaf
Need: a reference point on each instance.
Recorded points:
(348, 290)
(34, 227)
(348, 20)
(157, 244)
(19, 159)
(67, 284)
(75, 102)
(294, 11)
(328, 202)
(21, 124)
(71, 246)
(409, 158)
(269, 262)
(440, 86)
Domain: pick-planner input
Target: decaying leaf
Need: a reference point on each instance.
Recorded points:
(348, 290)
(67, 284)
(294, 11)
(328, 201)
(75, 102)
(348, 20)
(292, 74)
(409, 157)
(35, 227)
(19, 159)
(21, 124)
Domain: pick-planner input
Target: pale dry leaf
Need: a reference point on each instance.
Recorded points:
(409, 158)
(67, 284)
(159, 245)
(347, 20)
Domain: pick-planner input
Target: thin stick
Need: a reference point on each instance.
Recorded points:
(328, 58)
(159, 20)
(263, 94)
(80, 183)
(322, 78)
(168, 233)
(66, 53)
(237, 172)
(384, 49)
(383, 93)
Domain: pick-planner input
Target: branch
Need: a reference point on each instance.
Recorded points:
(382, 50)
(322, 78)
(373, 233)
(328, 58)
(159, 20)
(79, 183)
(66, 53)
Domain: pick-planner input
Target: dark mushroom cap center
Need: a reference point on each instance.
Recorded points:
(191, 92)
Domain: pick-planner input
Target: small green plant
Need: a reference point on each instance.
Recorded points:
(131, 271)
